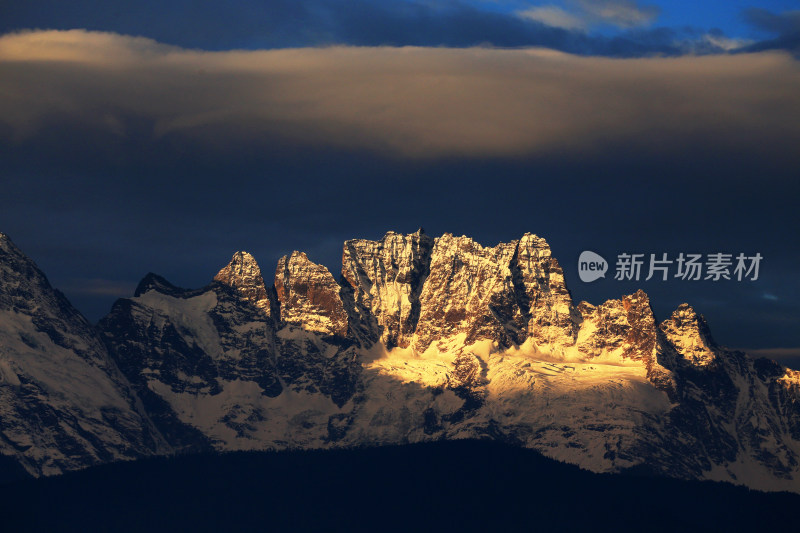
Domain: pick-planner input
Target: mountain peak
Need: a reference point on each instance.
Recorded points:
(244, 275)
(386, 277)
(625, 326)
(686, 308)
(469, 290)
(154, 282)
(6, 244)
(637, 298)
(243, 258)
(688, 332)
(687, 319)
(531, 240)
(309, 295)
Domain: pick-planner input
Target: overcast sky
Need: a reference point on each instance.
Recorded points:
(165, 136)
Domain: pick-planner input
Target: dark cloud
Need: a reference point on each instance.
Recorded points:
(785, 25)
(293, 23)
(133, 96)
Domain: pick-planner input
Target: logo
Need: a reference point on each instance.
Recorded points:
(591, 266)
(630, 266)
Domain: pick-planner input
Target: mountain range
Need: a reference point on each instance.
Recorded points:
(419, 339)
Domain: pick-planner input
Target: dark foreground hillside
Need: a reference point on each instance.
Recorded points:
(446, 486)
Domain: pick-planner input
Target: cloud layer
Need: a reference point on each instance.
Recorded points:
(417, 102)
(269, 24)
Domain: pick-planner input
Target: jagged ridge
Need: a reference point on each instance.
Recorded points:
(427, 339)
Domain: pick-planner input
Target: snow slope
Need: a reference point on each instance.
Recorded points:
(64, 404)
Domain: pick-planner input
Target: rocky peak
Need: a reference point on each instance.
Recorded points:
(624, 327)
(64, 404)
(23, 287)
(507, 293)
(154, 282)
(687, 331)
(642, 335)
(309, 296)
(387, 277)
(470, 290)
(244, 275)
(553, 319)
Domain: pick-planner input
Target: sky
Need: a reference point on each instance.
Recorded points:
(165, 136)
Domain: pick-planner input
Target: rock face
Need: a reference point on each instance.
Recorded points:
(509, 293)
(736, 410)
(309, 296)
(422, 339)
(64, 405)
(470, 291)
(244, 275)
(688, 332)
(552, 318)
(626, 328)
(623, 328)
(386, 277)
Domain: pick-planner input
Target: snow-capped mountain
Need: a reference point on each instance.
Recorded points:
(427, 339)
(64, 404)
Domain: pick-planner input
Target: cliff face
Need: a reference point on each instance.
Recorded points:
(469, 291)
(428, 339)
(309, 296)
(244, 275)
(509, 293)
(688, 332)
(553, 319)
(386, 278)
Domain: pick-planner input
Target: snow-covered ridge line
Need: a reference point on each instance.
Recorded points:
(420, 339)
(414, 309)
(392, 287)
(410, 290)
